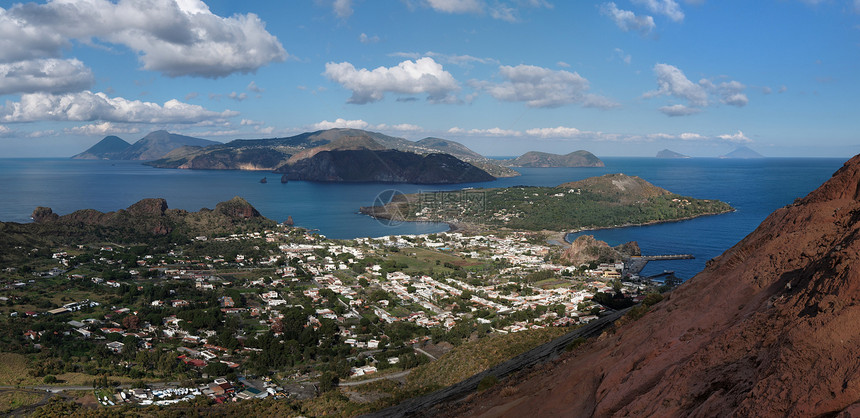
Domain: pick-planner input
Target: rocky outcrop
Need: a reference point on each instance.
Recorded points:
(586, 249)
(769, 328)
(145, 219)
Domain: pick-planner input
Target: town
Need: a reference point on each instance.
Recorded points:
(286, 313)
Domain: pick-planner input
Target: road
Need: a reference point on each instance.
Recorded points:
(364, 382)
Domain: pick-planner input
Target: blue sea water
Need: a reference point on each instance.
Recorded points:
(754, 187)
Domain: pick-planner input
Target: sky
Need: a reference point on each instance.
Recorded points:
(617, 78)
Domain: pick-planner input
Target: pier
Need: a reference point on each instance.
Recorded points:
(634, 265)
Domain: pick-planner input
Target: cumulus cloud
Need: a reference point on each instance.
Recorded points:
(542, 87)
(252, 87)
(668, 8)
(89, 106)
(456, 6)
(340, 123)
(679, 110)
(627, 20)
(672, 82)
(484, 132)
(738, 137)
(462, 60)
(100, 129)
(44, 75)
(174, 37)
(557, 132)
(237, 96)
(497, 9)
(422, 76)
(360, 124)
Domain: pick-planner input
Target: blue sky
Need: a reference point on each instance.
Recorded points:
(622, 78)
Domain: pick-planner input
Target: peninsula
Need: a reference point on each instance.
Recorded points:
(607, 201)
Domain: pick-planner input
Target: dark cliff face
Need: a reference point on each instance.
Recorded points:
(384, 166)
(769, 328)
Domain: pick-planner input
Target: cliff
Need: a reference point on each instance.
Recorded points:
(769, 328)
(579, 158)
(585, 249)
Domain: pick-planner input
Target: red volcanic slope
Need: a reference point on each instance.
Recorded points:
(769, 328)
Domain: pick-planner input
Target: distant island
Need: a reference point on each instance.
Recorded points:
(152, 146)
(667, 153)
(598, 202)
(579, 158)
(742, 152)
(334, 155)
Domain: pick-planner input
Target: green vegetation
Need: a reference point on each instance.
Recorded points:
(607, 201)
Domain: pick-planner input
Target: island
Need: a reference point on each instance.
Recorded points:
(579, 158)
(667, 153)
(611, 200)
(742, 152)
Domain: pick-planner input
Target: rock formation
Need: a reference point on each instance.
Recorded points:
(585, 249)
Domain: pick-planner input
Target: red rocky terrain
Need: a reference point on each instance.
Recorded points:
(769, 328)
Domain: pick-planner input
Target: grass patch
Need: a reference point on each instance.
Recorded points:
(12, 400)
(474, 357)
(13, 370)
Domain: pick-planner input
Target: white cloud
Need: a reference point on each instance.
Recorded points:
(562, 64)
(401, 127)
(363, 38)
(679, 110)
(342, 8)
(89, 106)
(668, 8)
(250, 122)
(557, 132)
(542, 87)
(462, 60)
(687, 136)
(340, 123)
(672, 82)
(498, 132)
(44, 75)
(627, 20)
(103, 128)
(177, 38)
(623, 56)
(237, 96)
(456, 6)
(738, 137)
(422, 76)
(731, 93)
(5, 131)
(252, 87)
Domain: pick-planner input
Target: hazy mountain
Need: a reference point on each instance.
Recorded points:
(579, 158)
(742, 152)
(666, 153)
(157, 144)
(276, 154)
(107, 149)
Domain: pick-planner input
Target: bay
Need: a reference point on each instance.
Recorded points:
(754, 187)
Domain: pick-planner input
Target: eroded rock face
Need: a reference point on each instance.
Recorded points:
(770, 328)
(43, 214)
(585, 249)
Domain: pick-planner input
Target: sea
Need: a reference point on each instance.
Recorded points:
(754, 187)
